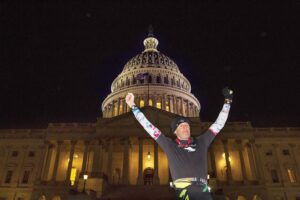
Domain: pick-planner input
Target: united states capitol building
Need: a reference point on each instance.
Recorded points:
(114, 158)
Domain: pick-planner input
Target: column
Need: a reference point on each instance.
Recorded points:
(96, 169)
(43, 161)
(258, 161)
(46, 170)
(175, 104)
(182, 106)
(137, 100)
(124, 105)
(242, 160)
(228, 171)
(187, 108)
(109, 162)
(169, 103)
(118, 106)
(297, 166)
(84, 159)
(154, 100)
(163, 102)
(213, 161)
(70, 164)
(156, 177)
(57, 156)
(140, 172)
(125, 175)
(252, 164)
(278, 163)
(112, 108)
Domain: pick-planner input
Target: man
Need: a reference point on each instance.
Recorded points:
(187, 156)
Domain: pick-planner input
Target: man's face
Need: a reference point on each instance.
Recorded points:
(183, 131)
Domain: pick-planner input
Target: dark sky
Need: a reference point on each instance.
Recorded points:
(58, 60)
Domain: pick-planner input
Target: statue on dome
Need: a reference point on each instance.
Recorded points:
(187, 156)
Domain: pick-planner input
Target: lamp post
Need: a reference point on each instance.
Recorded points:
(85, 177)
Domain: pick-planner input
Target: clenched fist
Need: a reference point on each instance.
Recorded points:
(130, 99)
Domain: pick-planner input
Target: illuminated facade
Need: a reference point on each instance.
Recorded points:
(115, 152)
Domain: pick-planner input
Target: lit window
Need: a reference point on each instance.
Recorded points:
(291, 174)
(167, 108)
(150, 102)
(73, 175)
(8, 176)
(142, 103)
(158, 105)
(26, 177)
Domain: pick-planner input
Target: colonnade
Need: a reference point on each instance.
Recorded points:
(170, 103)
(99, 146)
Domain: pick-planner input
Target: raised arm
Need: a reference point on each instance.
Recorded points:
(150, 128)
(216, 127)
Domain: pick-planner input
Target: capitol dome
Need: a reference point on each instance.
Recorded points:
(155, 80)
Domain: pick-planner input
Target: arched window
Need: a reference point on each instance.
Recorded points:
(142, 103)
(166, 80)
(158, 79)
(133, 80)
(149, 79)
(172, 81)
(150, 102)
(178, 84)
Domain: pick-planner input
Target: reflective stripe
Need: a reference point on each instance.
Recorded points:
(182, 184)
(191, 179)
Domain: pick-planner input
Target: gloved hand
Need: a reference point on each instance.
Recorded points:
(228, 94)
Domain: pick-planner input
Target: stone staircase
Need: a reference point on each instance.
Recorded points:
(133, 192)
(138, 192)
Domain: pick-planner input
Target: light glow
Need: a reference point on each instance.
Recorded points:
(223, 155)
(158, 105)
(142, 103)
(73, 175)
(150, 103)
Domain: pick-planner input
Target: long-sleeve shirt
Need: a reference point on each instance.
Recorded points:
(184, 163)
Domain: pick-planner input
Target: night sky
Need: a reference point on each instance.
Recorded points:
(58, 60)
